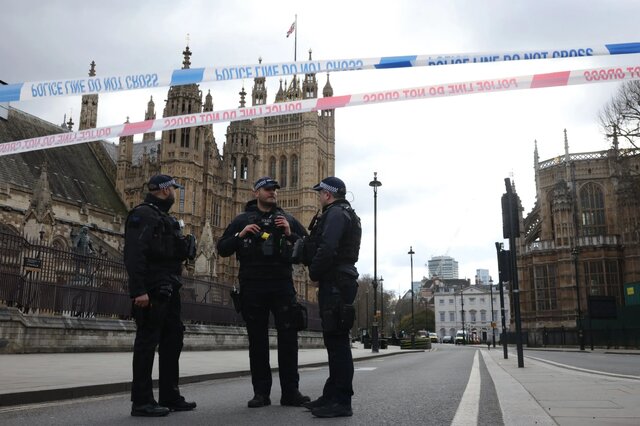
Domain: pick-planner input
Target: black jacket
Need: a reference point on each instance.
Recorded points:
(339, 234)
(254, 265)
(150, 246)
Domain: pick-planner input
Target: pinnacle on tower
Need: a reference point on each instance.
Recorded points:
(187, 58)
(92, 70)
(242, 94)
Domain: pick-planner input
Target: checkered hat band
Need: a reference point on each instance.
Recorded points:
(328, 187)
(264, 182)
(167, 184)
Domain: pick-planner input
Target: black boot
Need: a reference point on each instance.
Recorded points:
(150, 409)
(179, 405)
(333, 410)
(259, 401)
(294, 400)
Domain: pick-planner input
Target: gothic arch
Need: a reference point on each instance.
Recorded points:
(294, 171)
(8, 229)
(283, 171)
(272, 167)
(60, 243)
(592, 213)
(244, 168)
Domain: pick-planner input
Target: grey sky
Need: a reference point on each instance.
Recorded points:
(442, 162)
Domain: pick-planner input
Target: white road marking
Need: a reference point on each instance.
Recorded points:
(365, 368)
(467, 413)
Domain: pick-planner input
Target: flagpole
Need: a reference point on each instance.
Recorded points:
(295, 43)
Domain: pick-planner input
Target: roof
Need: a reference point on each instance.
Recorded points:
(74, 172)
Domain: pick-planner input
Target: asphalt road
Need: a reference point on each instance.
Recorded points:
(406, 389)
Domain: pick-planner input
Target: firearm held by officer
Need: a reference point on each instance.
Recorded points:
(262, 238)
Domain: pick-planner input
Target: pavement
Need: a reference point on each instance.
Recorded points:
(540, 393)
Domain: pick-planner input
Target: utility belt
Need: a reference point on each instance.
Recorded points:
(293, 316)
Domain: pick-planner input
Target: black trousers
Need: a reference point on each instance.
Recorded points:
(157, 326)
(257, 304)
(339, 385)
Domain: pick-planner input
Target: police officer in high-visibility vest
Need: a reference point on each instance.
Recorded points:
(331, 253)
(154, 251)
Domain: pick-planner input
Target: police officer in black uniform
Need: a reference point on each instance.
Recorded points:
(262, 238)
(331, 257)
(153, 253)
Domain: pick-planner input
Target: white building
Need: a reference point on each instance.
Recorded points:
(445, 267)
(448, 307)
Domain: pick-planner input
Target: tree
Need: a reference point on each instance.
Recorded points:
(363, 304)
(620, 118)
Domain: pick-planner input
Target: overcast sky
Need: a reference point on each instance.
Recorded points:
(442, 162)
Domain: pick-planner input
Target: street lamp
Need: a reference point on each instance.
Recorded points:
(493, 325)
(375, 183)
(464, 332)
(413, 325)
(381, 306)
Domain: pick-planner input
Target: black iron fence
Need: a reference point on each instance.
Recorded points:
(40, 279)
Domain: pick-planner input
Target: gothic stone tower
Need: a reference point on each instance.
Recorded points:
(297, 149)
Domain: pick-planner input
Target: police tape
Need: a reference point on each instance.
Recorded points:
(536, 81)
(116, 83)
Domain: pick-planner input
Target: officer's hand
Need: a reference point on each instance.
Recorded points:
(249, 229)
(282, 222)
(142, 300)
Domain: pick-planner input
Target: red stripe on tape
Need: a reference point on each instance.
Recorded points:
(550, 80)
(332, 102)
(135, 128)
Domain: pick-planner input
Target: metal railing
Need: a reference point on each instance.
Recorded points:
(43, 280)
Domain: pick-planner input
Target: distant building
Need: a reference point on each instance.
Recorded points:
(445, 267)
(449, 297)
(482, 276)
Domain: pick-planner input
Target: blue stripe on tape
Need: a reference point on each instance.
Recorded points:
(623, 48)
(10, 92)
(396, 62)
(188, 76)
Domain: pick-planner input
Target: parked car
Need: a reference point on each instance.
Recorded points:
(447, 339)
(433, 337)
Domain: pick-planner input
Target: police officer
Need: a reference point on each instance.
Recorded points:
(336, 236)
(262, 238)
(153, 253)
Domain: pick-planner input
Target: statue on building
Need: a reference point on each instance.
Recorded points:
(82, 242)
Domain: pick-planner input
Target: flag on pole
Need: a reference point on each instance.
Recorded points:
(291, 29)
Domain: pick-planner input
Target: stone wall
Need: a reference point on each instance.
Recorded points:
(42, 334)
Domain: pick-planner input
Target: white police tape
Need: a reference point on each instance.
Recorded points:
(536, 81)
(122, 82)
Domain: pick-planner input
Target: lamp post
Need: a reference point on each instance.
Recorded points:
(493, 325)
(375, 344)
(464, 332)
(381, 306)
(413, 325)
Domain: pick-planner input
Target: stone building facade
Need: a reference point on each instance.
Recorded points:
(297, 149)
(582, 238)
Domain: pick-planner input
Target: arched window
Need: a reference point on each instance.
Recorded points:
(283, 171)
(294, 171)
(244, 168)
(234, 169)
(184, 138)
(272, 167)
(592, 209)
